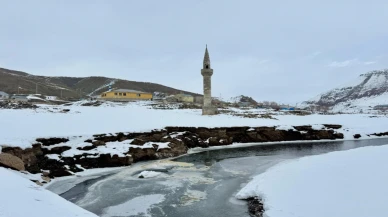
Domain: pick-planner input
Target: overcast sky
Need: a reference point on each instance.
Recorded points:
(286, 51)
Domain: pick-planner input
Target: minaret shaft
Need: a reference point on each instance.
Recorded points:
(207, 91)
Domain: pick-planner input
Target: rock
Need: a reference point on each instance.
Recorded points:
(380, 134)
(303, 128)
(56, 168)
(29, 156)
(333, 126)
(87, 148)
(51, 141)
(338, 135)
(255, 207)
(11, 161)
(46, 179)
(65, 110)
(56, 150)
(59, 172)
(101, 161)
(38, 183)
(98, 143)
(45, 173)
(141, 154)
(92, 103)
(214, 141)
(106, 160)
(17, 105)
(356, 136)
(138, 142)
(177, 147)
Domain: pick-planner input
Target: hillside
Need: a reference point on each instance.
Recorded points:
(362, 94)
(72, 87)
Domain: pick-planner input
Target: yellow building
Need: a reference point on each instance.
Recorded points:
(125, 95)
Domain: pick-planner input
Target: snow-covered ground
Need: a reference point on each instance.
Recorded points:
(345, 183)
(22, 127)
(21, 197)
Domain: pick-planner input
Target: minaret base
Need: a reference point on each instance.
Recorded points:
(209, 110)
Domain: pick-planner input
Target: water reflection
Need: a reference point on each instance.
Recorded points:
(208, 160)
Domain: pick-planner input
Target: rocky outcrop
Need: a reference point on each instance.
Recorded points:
(30, 156)
(357, 136)
(51, 141)
(333, 126)
(379, 134)
(255, 207)
(17, 105)
(177, 139)
(11, 161)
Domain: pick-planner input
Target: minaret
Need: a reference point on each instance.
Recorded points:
(207, 73)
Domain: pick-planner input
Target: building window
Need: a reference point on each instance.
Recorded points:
(125, 94)
(207, 66)
(138, 95)
(120, 94)
(115, 94)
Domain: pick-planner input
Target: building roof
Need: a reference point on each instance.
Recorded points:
(3, 93)
(125, 91)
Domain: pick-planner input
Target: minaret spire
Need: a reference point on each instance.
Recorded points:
(206, 59)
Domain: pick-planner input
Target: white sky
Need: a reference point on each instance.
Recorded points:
(286, 51)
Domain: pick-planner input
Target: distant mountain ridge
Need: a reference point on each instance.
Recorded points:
(368, 90)
(72, 87)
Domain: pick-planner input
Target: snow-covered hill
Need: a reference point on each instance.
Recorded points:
(360, 95)
(242, 99)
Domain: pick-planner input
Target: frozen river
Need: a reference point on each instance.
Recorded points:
(200, 184)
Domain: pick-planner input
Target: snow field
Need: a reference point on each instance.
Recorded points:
(338, 184)
(138, 117)
(21, 197)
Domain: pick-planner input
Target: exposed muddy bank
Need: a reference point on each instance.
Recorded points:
(147, 146)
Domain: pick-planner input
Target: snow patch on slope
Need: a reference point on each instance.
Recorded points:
(111, 83)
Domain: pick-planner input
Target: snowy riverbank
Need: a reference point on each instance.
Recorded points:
(338, 184)
(21, 197)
